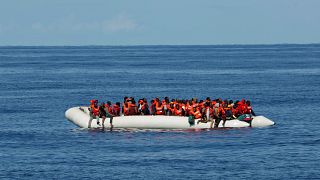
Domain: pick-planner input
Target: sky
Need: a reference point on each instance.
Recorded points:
(154, 22)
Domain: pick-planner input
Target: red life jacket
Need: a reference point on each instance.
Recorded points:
(248, 109)
(95, 110)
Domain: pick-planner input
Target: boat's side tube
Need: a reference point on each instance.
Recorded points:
(78, 116)
(261, 121)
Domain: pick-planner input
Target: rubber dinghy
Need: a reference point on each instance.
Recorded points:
(80, 116)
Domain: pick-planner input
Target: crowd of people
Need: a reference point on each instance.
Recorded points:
(205, 110)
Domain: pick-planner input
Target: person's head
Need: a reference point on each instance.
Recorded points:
(118, 103)
(248, 103)
(208, 99)
(177, 106)
(207, 104)
(125, 99)
(230, 102)
(92, 101)
(109, 103)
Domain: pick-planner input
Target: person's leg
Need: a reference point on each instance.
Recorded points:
(217, 122)
(111, 125)
(90, 120)
(103, 119)
(98, 122)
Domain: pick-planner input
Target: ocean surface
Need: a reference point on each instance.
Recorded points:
(38, 84)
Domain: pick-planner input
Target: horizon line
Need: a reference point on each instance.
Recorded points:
(100, 45)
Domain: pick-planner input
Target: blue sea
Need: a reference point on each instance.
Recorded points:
(38, 84)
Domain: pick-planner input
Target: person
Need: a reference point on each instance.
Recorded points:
(228, 109)
(125, 99)
(94, 112)
(222, 114)
(153, 107)
(196, 113)
(145, 107)
(132, 107)
(249, 108)
(116, 109)
(178, 111)
(159, 108)
(102, 113)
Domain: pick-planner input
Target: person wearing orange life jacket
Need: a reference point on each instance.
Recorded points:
(132, 107)
(228, 109)
(125, 109)
(171, 108)
(219, 115)
(109, 114)
(116, 109)
(178, 111)
(249, 108)
(188, 108)
(159, 109)
(94, 112)
(124, 102)
(196, 113)
(108, 108)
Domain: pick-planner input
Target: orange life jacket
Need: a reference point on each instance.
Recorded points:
(178, 112)
(197, 114)
(95, 110)
(116, 110)
(159, 109)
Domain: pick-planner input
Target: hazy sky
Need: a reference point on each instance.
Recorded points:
(140, 22)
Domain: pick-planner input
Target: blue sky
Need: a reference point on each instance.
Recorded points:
(165, 22)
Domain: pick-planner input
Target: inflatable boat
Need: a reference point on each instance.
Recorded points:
(80, 116)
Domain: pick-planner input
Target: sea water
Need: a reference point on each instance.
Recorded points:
(38, 84)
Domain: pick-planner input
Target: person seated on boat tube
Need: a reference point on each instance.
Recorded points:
(196, 113)
(248, 109)
(178, 111)
(132, 107)
(140, 104)
(105, 111)
(143, 107)
(221, 115)
(94, 112)
(125, 109)
(159, 108)
(116, 109)
(168, 108)
(123, 105)
(208, 111)
(228, 109)
(152, 107)
(108, 107)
